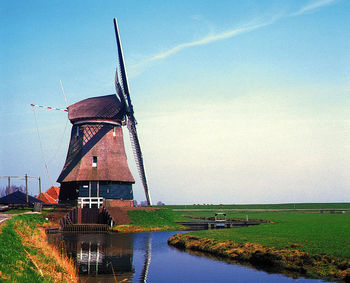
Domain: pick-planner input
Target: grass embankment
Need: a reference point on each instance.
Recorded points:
(313, 244)
(25, 255)
(152, 220)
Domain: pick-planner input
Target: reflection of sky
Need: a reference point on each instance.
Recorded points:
(171, 265)
(237, 101)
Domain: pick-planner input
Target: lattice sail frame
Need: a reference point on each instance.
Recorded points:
(123, 92)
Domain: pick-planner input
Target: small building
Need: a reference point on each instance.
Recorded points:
(18, 198)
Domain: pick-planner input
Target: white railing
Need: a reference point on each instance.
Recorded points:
(90, 201)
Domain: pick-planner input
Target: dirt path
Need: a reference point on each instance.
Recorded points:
(4, 217)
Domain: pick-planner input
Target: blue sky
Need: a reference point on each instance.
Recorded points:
(237, 101)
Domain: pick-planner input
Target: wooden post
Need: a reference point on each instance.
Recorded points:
(26, 178)
(79, 215)
(39, 185)
(9, 185)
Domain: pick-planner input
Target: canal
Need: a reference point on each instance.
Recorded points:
(141, 257)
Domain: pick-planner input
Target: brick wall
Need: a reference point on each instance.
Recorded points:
(117, 203)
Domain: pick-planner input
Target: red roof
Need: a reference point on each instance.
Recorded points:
(46, 198)
(53, 192)
(50, 196)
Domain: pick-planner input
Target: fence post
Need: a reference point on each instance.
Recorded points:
(26, 178)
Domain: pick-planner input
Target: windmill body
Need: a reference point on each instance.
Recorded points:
(96, 164)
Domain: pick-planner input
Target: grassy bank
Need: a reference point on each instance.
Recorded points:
(152, 220)
(314, 244)
(25, 255)
(314, 233)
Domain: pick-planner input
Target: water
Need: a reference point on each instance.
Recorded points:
(142, 257)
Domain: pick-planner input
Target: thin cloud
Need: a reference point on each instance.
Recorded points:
(312, 6)
(139, 68)
(206, 40)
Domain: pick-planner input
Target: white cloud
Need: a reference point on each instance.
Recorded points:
(312, 6)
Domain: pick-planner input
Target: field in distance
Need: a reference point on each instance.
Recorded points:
(289, 206)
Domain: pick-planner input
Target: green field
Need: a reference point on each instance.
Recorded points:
(316, 233)
(288, 206)
(313, 232)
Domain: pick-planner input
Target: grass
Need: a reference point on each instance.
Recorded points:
(345, 205)
(14, 263)
(315, 233)
(153, 220)
(25, 255)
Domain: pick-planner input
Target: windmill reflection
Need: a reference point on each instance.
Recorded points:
(89, 256)
(107, 258)
(147, 261)
(101, 254)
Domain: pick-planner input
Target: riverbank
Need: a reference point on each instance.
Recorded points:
(310, 244)
(25, 255)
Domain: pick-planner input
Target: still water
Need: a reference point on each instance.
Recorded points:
(142, 257)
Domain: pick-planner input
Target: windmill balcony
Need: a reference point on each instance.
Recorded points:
(90, 202)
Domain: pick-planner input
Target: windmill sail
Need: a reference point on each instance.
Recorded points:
(131, 121)
(119, 90)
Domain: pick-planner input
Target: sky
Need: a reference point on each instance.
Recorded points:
(236, 101)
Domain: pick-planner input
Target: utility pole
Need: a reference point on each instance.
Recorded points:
(39, 185)
(26, 178)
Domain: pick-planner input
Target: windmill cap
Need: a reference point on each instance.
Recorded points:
(101, 107)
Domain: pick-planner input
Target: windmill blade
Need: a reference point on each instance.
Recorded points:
(118, 89)
(138, 158)
(130, 115)
(123, 75)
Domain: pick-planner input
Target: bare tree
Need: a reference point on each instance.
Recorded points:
(4, 191)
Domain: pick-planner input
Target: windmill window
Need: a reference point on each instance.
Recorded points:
(77, 131)
(114, 133)
(94, 161)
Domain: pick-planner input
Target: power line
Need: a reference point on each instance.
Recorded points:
(41, 148)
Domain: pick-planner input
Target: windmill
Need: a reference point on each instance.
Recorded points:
(96, 164)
